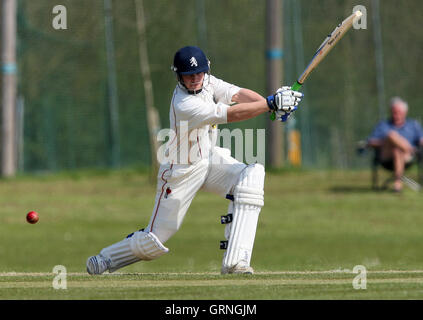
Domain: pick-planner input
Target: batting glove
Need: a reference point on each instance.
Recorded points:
(284, 115)
(285, 100)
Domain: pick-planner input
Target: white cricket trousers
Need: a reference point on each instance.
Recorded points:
(178, 184)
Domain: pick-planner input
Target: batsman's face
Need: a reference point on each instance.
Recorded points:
(399, 114)
(193, 81)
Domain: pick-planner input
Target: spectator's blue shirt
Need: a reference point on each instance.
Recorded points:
(411, 130)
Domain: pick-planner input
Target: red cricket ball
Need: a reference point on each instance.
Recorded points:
(32, 217)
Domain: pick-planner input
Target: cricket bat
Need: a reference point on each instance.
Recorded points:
(327, 45)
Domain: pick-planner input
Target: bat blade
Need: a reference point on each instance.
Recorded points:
(330, 41)
(326, 46)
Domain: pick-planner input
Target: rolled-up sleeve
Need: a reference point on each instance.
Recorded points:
(223, 91)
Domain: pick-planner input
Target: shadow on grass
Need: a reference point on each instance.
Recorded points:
(357, 189)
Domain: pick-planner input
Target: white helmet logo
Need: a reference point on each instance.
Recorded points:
(193, 62)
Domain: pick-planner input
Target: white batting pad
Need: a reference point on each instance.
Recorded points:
(248, 200)
(119, 255)
(146, 246)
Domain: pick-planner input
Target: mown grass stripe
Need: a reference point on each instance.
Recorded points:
(46, 274)
(202, 283)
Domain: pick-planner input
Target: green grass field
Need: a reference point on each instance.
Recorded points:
(314, 228)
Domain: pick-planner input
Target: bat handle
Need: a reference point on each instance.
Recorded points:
(296, 86)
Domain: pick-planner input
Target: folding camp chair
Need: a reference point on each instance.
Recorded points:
(376, 163)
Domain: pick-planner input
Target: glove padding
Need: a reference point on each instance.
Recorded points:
(284, 115)
(284, 99)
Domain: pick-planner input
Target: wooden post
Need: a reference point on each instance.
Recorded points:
(274, 53)
(153, 119)
(8, 70)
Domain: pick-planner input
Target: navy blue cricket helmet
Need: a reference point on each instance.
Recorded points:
(190, 60)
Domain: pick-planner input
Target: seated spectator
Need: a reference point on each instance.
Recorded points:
(398, 139)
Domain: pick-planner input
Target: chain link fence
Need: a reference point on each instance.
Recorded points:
(65, 92)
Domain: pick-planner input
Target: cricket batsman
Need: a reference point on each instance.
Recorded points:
(200, 102)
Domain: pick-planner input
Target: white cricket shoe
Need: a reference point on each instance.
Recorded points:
(237, 269)
(97, 265)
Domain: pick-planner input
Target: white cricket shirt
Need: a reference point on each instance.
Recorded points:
(193, 119)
